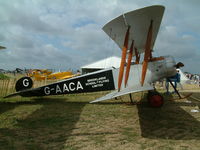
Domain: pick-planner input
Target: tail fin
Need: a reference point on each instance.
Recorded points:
(24, 83)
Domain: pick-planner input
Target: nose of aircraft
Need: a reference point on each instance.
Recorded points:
(170, 66)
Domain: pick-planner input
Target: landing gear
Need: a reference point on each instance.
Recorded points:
(130, 96)
(155, 99)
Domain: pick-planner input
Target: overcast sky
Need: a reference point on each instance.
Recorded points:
(67, 34)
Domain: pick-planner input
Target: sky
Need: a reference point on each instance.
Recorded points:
(67, 34)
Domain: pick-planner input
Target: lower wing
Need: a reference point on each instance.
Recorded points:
(125, 91)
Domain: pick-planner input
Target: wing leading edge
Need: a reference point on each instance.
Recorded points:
(138, 21)
(125, 91)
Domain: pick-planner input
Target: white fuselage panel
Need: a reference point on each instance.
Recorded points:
(156, 71)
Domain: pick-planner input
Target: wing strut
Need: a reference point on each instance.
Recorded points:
(147, 53)
(130, 55)
(123, 58)
(137, 55)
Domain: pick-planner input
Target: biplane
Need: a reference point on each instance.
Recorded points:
(135, 33)
(45, 74)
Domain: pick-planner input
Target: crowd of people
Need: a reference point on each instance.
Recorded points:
(176, 80)
(193, 77)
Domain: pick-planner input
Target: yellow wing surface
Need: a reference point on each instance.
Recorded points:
(43, 74)
(60, 75)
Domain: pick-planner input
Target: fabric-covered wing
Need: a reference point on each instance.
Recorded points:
(124, 92)
(139, 22)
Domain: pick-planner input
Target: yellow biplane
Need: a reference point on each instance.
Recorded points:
(45, 74)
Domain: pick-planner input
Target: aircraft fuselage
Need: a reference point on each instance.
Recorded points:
(105, 80)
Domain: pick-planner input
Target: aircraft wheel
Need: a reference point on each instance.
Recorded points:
(155, 99)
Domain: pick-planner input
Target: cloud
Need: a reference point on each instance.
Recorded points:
(67, 34)
(181, 47)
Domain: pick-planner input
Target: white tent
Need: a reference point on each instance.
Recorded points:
(102, 64)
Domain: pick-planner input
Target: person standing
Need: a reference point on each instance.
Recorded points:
(176, 79)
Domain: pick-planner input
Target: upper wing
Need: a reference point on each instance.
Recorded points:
(139, 22)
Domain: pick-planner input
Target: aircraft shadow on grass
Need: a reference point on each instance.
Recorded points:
(39, 131)
(169, 122)
(42, 132)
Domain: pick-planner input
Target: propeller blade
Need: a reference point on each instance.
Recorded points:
(123, 59)
(130, 55)
(147, 53)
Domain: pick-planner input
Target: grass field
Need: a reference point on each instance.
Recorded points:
(70, 122)
(2, 76)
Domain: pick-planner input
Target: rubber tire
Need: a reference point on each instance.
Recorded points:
(155, 99)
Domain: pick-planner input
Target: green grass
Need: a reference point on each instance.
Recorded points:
(70, 122)
(2, 76)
